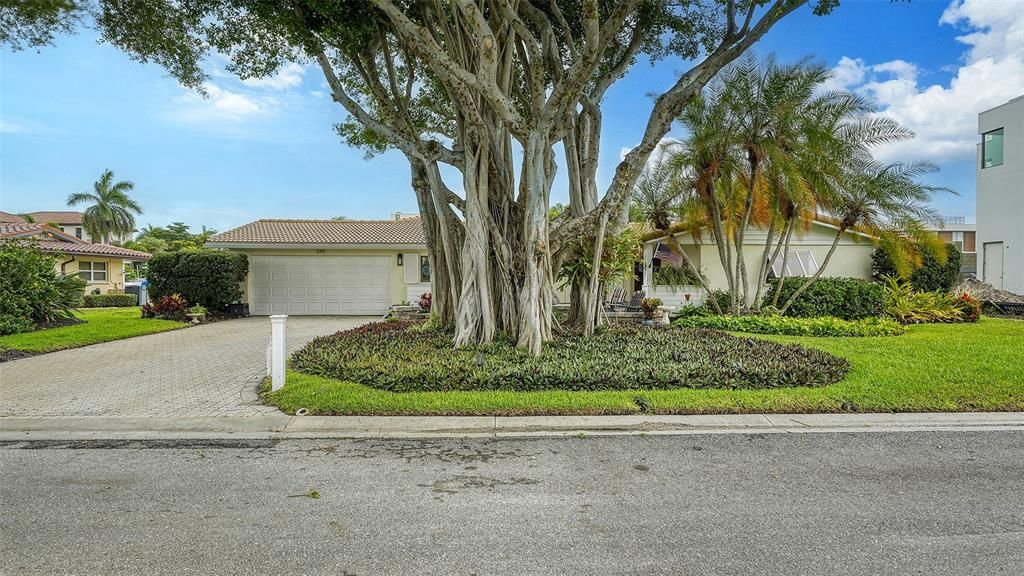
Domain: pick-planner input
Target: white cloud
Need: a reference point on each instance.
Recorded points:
(945, 116)
(221, 105)
(289, 76)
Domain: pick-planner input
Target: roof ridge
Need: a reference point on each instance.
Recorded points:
(333, 221)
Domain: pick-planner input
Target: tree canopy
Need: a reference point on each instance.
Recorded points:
(491, 88)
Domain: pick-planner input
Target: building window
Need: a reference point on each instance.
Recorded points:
(78, 232)
(424, 269)
(798, 263)
(992, 148)
(92, 271)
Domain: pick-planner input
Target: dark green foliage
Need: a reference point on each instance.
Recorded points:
(404, 357)
(844, 298)
(208, 277)
(722, 298)
(929, 276)
(824, 326)
(109, 300)
(31, 290)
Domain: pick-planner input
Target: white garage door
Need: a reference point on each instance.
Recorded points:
(357, 285)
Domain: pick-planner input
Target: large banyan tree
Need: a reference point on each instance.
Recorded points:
(492, 90)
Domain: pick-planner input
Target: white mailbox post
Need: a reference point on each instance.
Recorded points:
(278, 325)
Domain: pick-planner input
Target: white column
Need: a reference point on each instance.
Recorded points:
(648, 267)
(278, 355)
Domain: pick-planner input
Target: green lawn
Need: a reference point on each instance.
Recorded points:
(937, 367)
(101, 325)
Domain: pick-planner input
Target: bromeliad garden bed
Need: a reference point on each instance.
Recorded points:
(936, 367)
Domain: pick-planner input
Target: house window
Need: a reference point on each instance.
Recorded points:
(798, 263)
(92, 271)
(424, 269)
(78, 232)
(992, 148)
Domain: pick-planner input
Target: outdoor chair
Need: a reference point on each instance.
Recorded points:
(617, 299)
(633, 305)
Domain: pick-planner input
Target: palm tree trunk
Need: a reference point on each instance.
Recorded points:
(762, 270)
(785, 261)
(741, 231)
(821, 269)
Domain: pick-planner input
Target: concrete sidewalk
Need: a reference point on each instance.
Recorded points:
(279, 426)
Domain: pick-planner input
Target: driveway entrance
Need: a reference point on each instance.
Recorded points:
(201, 371)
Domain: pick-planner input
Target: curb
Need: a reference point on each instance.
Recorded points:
(276, 427)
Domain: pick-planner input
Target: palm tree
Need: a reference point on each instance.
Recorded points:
(886, 202)
(112, 211)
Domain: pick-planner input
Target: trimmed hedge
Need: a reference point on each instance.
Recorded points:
(211, 278)
(109, 300)
(407, 356)
(844, 298)
(928, 277)
(826, 326)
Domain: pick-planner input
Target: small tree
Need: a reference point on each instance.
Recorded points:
(929, 276)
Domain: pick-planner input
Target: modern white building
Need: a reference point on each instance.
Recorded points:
(1000, 196)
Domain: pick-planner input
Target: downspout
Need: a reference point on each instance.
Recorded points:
(63, 264)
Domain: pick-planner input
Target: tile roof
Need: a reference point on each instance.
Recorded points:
(402, 231)
(57, 217)
(20, 229)
(52, 240)
(71, 248)
(8, 217)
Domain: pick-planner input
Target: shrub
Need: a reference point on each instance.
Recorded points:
(928, 277)
(211, 278)
(970, 307)
(31, 291)
(823, 326)
(109, 300)
(171, 307)
(426, 300)
(844, 298)
(908, 306)
(397, 357)
(648, 306)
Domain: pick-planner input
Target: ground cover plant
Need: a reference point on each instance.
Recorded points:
(909, 306)
(98, 325)
(822, 326)
(402, 357)
(932, 368)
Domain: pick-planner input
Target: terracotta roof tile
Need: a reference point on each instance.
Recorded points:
(57, 217)
(8, 217)
(70, 248)
(51, 240)
(403, 231)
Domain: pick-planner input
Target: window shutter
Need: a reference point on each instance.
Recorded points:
(411, 264)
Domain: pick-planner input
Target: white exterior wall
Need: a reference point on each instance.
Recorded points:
(1000, 198)
(852, 258)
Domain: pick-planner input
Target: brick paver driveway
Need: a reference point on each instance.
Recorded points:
(208, 370)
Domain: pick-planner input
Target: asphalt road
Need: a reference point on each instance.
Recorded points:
(882, 503)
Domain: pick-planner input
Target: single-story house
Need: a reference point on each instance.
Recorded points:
(67, 221)
(808, 248)
(346, 267)
(100, 265)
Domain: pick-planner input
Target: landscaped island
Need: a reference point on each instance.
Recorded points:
(933, 367)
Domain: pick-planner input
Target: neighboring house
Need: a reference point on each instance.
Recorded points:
(100, 265)
(67, 221)
(1000, 195)
(956, 230)
(808, 248)
(345, 267)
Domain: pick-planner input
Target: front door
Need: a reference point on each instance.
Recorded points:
(992, 271)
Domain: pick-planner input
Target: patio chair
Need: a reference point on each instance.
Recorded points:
(634, 303)
(617, 299)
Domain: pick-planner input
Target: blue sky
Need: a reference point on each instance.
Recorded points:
(267, 149)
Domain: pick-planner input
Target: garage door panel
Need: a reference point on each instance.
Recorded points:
(354, 285)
